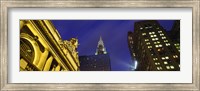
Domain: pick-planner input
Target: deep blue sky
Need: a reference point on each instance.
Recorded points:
(113, 33)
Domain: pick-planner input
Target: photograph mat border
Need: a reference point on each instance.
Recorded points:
(4, 57)
(185, 14)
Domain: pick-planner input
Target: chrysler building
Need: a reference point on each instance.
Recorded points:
(100, 47)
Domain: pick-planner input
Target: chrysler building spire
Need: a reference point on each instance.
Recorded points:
(100, 47)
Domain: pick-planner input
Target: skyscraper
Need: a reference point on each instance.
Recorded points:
(100, 48)
(153, 49)
(131, 49)
(98, 62)
(175, 34)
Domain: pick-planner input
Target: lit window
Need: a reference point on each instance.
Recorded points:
(167, 57)
(167, 44)
(148, 43)
(157, 63)
(163, 37)
(159, 49)
(163, 58)
(153, 39)
(153, 32)
(146, 40)
(165, 40)
(153, 35)
(141, 28)
(175, 56)
(156, 45)
(150, 33)
(165, 62)
(143, 33)
(172, 67)
(167, 67)
(156, 38)
(161, 34)
(155, 59)
(155, 42)
(159, 31)
(149, 46)
(158, 42)
(133, 54)
(158, 68)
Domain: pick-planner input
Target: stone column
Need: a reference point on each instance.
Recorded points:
(54, 68)
(43, 59)
(58, 68)
(21, 23)
(48, 64)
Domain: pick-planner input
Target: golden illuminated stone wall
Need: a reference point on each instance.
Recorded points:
(42, 49)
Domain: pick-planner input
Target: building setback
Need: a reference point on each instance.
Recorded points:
(42, 49)
(98, 62)
(152, 48)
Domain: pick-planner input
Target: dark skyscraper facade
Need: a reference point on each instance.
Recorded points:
(95, 63)
(131, 49)
(153, 48)
(98, 62)
(175, 34)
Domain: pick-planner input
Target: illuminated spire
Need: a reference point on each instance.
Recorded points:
(100, 47)
(101, 42)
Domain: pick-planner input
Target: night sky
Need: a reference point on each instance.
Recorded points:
(113, 33)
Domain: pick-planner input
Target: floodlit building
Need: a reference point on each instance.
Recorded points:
(153, 48)
(42, 49)
(98, 62)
